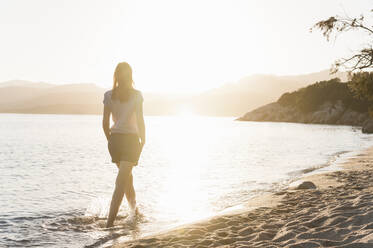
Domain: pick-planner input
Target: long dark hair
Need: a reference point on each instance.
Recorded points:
(122, 82)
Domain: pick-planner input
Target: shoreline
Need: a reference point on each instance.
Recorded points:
(335, 214)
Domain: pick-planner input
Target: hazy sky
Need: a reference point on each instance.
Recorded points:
(172, 45)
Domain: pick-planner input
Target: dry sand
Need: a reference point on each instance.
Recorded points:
(338, 213)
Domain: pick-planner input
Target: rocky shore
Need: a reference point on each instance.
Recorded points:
(328, 113)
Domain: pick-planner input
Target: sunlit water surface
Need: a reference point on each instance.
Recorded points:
(56, 178)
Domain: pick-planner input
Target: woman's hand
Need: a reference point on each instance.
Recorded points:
(106, 122)
(140, 123)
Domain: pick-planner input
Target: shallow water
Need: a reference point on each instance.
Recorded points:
(56, 177)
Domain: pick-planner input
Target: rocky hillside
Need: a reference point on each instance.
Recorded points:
(325, 102)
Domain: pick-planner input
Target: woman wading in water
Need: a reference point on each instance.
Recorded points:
(126, 137)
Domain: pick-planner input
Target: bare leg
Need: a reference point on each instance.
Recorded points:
(122, 185)
(130, 192)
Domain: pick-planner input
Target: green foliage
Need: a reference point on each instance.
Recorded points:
(310, 98)
(361, 84)
(360, 87)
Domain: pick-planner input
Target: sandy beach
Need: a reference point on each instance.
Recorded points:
(338, 213)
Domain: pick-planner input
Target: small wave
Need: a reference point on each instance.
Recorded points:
(332, 159)
(126, 228)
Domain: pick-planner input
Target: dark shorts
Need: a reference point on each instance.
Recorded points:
(124, 147)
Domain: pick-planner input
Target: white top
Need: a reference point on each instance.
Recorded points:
(124, 114)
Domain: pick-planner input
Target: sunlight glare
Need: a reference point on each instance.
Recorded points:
(186, 111)
(184, 185)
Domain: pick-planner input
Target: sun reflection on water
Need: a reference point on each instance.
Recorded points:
(184, 195)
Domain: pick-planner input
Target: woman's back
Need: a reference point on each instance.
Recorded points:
(124, 113)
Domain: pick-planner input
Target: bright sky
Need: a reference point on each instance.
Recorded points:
(173, 46)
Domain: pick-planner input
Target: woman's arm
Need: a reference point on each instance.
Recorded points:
(106, 121)
(141, 123)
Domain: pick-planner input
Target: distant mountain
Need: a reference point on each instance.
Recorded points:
(317, 76)
(231, 99)
(29, 97)
(24, 83)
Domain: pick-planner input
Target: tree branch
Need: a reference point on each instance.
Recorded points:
(336, 24)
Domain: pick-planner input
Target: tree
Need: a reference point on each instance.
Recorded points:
(361, 85)
(333, 26)
(361, 81)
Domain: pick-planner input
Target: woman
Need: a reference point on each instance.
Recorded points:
(126, 137)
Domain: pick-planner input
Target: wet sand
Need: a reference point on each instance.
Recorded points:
(338, 213)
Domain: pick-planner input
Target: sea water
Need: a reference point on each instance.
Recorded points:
(56, 176)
